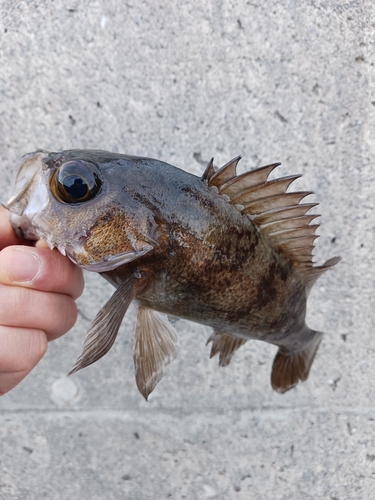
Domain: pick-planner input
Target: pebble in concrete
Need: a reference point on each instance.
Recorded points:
(64, 392)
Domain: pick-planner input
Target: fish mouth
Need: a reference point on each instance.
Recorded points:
(22, 226)
(24, 229)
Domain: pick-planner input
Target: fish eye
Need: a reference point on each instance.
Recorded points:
(76, 181)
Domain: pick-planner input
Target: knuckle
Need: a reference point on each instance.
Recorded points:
(14, 302)
(62, 317)
(34, 350)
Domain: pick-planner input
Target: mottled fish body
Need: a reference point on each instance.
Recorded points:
(230, 251)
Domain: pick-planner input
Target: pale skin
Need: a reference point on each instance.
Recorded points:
(38, 288)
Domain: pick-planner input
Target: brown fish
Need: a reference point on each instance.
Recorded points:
(230, 251)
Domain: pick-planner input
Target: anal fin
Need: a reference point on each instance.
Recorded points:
(290, 367)
(225, 345)
(155, 346)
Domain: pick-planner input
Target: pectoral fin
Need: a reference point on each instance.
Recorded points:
(225, 345)
(155, 346)
(103, 330)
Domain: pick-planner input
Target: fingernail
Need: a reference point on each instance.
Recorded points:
(23, 266)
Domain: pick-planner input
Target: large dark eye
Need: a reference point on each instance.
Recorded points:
(75, 182)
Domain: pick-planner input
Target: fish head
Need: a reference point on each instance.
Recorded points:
(84, 203)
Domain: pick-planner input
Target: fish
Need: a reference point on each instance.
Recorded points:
(226, 250)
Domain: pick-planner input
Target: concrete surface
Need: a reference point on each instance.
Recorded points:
(272, 81)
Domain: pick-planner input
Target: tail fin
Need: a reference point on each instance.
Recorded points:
(289, 367)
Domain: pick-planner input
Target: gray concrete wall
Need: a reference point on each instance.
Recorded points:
(273, 81)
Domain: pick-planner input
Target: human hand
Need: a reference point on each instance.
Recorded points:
(38, 288)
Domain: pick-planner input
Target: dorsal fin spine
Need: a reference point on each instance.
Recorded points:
(270, 188)
(225, 173)
(249, 179)
(278, 214)
(209, 171)
(290, 223)
(264, 204)
(289, 234)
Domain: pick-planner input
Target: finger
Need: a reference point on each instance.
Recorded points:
(7, 235)
(26, 308)
(40, 269)
(21, 349)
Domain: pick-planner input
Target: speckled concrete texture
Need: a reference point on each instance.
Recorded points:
(182, 82)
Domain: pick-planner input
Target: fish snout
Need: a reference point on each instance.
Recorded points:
(28, 195)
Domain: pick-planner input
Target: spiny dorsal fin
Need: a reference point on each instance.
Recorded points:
(225, 345)
(278, 214)
(155, 346)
